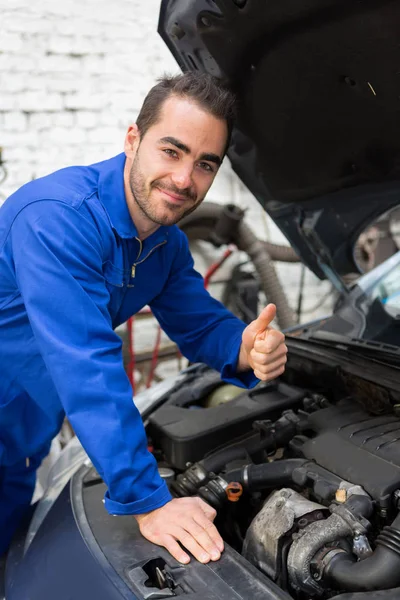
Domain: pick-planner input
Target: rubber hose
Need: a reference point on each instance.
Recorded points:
(281, 253)
(267, 475)
(215, 462)
(202, 222)
(249, 243)
(380, 571)
(277, 252)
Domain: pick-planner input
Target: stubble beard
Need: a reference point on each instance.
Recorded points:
(143, 201)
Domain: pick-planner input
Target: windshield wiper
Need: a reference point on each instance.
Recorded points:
(365, 346)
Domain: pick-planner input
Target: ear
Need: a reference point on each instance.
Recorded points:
(132, 140)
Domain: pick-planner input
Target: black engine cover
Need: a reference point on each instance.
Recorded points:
(186, 432)
(358, 447)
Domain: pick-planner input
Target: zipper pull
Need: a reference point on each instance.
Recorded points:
(27, 462)
(133, 271)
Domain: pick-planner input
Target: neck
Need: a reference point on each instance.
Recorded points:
(145, 227)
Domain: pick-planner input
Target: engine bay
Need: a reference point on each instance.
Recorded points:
(306, 484)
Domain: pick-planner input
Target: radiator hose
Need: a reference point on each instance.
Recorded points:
(223, 224)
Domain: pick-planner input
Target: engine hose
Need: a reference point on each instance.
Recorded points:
(188, 483)
(249, 243)
(198, 474)
(267, 475)
(215, 462)
(322, 536)
(204, 220)
(380, 571)
(281, 253)
(193, 223)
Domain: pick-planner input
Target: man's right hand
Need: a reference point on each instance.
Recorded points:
(185, 520)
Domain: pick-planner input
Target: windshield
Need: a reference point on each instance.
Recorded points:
(371, 312)
(383, 284)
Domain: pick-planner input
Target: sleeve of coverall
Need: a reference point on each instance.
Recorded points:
(58, 266)
(203, 328)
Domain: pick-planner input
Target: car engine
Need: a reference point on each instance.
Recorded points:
(306, 485)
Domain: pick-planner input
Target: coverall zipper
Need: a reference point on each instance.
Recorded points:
(133, 269)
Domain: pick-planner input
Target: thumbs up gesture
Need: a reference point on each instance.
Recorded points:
(263, 348)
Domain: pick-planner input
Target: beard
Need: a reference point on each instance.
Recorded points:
(160, 212)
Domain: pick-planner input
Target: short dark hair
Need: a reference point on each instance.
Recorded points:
(210, 93)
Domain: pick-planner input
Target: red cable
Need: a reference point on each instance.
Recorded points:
(215, 266)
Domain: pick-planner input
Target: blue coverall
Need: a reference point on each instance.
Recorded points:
(72, 269)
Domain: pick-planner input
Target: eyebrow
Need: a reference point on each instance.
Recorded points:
(210, 156)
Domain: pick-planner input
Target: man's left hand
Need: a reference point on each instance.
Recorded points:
(263, 348)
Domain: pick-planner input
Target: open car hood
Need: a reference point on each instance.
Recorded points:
(317, 139)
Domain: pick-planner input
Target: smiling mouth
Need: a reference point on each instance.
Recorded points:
(174, 197)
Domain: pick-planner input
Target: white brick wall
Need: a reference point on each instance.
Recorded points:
(73, 75)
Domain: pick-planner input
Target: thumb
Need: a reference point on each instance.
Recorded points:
(264, 319)
(259, 325)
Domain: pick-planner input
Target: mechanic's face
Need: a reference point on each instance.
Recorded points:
(172, 167)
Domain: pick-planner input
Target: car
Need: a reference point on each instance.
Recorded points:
(304, 471)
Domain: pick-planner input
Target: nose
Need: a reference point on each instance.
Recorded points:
(182, 176)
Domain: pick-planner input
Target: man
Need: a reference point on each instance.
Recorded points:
(83, 249)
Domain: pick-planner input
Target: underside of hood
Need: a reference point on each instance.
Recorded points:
(317, 139)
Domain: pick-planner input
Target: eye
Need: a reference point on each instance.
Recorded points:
(170, 152)
(206, 167)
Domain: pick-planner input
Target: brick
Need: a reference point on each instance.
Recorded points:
(15, 121)
(11, 42)
(65, 136)
(28, 25)
(35, 101)
(109, 118)
(87, 119)
(54, 63)
(40, 120)
(63, 119)
(18, 138)
(98, 64)
(15, 154)
(130, 101)
(87, 100)
(87, 45)
(12, 83)
(104, 134)
(13, 63)
(60, 82)
(69, 26)
(8, 102)
(60, 44)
